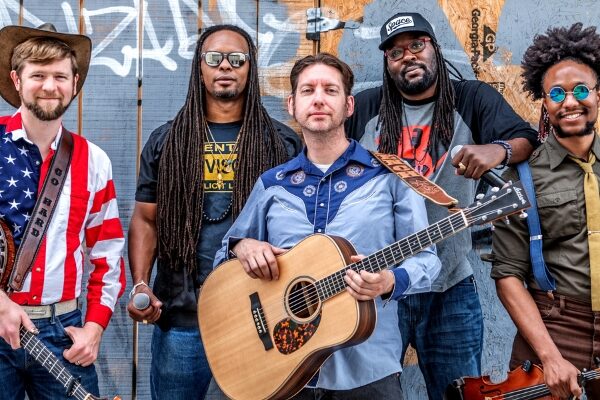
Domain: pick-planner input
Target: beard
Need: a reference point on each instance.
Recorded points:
(227, 94)
(44, 114)
(587, 130)
(418, 85)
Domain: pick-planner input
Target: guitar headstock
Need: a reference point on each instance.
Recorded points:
(499, 204)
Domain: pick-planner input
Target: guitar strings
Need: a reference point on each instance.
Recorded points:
(299, 302)
(536, 391)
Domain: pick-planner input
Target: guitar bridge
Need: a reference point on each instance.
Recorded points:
(260, 323)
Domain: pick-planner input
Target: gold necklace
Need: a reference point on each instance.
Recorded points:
(228, 167)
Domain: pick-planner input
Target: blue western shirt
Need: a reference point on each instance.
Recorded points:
(361, 201)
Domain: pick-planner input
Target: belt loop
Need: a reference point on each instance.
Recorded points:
(562, 304)
(52, 314)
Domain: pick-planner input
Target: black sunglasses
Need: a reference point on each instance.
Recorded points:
(214, 58)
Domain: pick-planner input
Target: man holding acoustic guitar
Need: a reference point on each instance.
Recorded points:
(334, 187)
(56, 190)
(558, 314)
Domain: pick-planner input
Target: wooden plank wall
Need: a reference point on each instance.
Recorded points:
(483, 38)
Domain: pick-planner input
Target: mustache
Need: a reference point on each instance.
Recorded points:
(53, 95)
(413, 64)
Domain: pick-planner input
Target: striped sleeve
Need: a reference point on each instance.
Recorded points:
(105, 242)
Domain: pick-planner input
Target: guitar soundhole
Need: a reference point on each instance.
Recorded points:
(302, 300)
(303, 305)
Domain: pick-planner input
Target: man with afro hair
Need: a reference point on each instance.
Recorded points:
(559, 329)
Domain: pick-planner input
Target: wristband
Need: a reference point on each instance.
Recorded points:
(508, 148)
(140, 283)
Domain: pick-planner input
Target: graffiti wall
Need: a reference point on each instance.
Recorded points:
(140, 69)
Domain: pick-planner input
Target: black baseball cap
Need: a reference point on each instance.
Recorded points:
(404, 22)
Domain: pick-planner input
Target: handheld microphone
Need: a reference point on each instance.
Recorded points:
(490, 177)
(141, 301)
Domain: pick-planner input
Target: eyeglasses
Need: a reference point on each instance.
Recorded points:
(416, 46)
(558, 94)
(215, 58)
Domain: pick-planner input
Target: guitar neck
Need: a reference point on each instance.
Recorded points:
(395, 253)
(48, 360)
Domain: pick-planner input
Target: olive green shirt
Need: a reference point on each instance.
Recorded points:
(560, 196)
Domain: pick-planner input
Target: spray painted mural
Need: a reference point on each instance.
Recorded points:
(139, 73)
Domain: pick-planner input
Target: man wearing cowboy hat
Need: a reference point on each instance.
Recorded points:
(41, 71)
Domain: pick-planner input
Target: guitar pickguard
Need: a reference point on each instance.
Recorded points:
(290, 336)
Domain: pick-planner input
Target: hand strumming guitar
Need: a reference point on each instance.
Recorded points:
(258, 258)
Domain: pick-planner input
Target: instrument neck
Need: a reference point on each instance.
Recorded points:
(48, 360)
(394, 254)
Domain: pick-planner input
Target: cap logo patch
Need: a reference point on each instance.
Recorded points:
(398, 23)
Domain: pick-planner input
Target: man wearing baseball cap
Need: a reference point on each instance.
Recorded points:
(420, 114)
(41, 71)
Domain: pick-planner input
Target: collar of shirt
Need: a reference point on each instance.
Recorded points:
(558, 153)
(15, 128)
(354, 152)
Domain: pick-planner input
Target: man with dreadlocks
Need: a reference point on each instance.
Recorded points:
(195, 175)
(420, 114)
(561, 330)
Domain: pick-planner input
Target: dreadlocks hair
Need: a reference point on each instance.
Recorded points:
(558, 44)
(392, 109)
(181, 171)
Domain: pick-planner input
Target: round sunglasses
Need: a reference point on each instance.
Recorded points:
(558, 94)
(416, 46)
(214, 58)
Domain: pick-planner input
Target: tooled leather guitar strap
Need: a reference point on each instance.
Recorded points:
(416, 181)
(43, 211)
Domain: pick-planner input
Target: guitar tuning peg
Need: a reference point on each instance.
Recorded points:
(493, 227)
(495, 189)
(480, 196)
(506, 221)
(523, 215)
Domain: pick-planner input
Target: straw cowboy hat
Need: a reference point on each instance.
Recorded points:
(12, 35)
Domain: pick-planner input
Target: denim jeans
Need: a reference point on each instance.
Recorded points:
(446, 330)
(20, 373)
(387, 388)
(179, 367)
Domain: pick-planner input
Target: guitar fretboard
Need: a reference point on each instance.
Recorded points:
(48, 360)
(393, 254)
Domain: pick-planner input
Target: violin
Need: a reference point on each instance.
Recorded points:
(523, 383)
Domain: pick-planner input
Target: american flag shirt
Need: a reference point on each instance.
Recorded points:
(86, 212)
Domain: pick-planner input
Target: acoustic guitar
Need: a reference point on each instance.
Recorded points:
(266, 339)
(30, 343)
